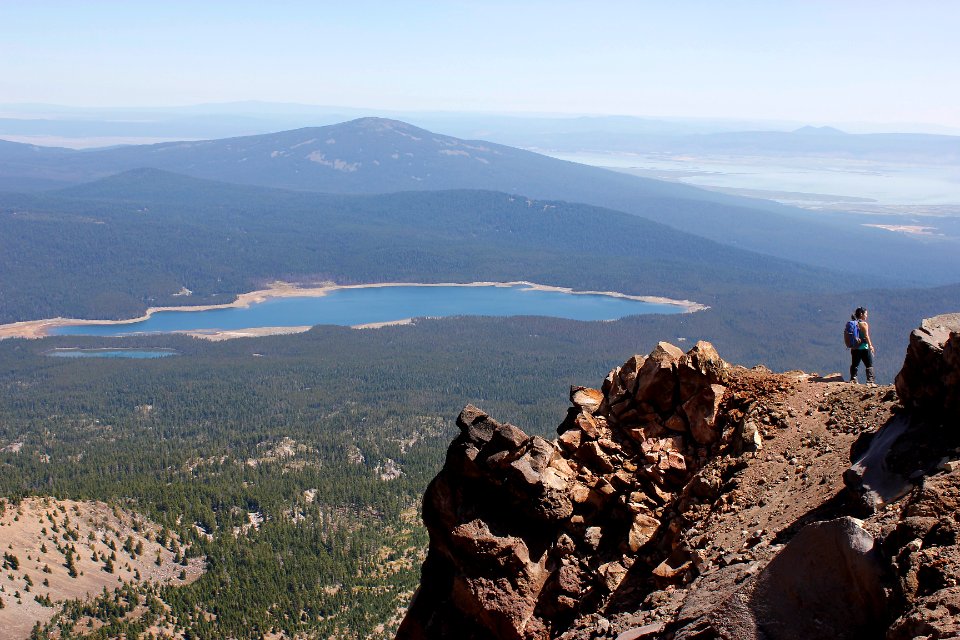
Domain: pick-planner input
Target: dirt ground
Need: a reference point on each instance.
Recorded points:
(38, 534)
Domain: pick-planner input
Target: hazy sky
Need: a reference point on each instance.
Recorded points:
(810, 60)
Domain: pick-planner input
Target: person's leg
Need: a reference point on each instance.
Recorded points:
(868, 363)
(855, 362)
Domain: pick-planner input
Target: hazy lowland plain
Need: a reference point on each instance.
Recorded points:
(291, 466)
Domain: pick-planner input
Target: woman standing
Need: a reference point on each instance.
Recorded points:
(864, 351)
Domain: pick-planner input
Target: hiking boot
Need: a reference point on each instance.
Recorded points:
(871, 379)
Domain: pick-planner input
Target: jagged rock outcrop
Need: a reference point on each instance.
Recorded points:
(526, 533)
(930, 378)
(912, 445)
(688, 499)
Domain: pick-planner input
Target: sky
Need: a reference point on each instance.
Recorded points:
(812, 61)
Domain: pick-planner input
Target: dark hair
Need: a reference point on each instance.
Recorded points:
(859, 313)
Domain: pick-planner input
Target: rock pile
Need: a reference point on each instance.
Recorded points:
(686, 500)
(525, 534)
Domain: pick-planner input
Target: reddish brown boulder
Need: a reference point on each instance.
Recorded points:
(585, 399)
(642, 529)
(930, 377)
(500, 584)
(701, 413)
(698, 366)
(657, 380)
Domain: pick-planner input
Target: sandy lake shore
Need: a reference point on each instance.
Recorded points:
(42, 328)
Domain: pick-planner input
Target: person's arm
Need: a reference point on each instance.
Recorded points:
(866, 334)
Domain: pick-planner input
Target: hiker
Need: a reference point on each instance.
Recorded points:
(861, 346)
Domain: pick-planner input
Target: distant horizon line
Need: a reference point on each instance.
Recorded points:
(210, 107)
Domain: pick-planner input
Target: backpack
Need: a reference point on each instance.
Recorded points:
(851, 334)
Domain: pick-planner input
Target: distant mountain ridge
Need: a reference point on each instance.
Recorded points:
(367, 155)
(376, 155)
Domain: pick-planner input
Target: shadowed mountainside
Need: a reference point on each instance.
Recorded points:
(114, 247)
(375, 155)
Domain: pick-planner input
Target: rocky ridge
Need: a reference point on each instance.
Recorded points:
(686, 498)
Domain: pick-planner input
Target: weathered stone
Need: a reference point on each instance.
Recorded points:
(669, 572)
(676, 462)
(579, 493)
(604, 487)
(592, 536)
(652, 630)
(628, 372)
(657, 381)
(562, 466)
(699, 367)
(656, 492)
(497, 583)
(622, 480)
(506, 437)
(586, 399)
(657, 445)
(565, 545)
(503, 562)
(588, 425)
(749, 438)
(930, 377)
(705, 484)
(500, 459)
(525, 471)
(642, 530)
(591, 454)
(475, 425)
(543, 451)
(570, 579)
(613, 388)
(602, 425)
(647, 432)
(570, 440)
(870, 478)
(676, 422)
(701, 412)
(934, 616)
(609, 446)
(552, 479)
(613, 574)
(612, 378)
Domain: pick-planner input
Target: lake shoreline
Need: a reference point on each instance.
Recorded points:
(34, 329)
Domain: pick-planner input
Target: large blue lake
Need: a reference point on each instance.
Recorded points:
(352, 307)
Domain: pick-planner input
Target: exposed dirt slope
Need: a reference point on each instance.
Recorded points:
(38, 536)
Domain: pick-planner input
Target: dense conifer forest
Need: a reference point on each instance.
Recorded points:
(330, 436)
(328, 439)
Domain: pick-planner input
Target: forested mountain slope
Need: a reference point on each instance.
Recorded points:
(112, 248)
(374, 155)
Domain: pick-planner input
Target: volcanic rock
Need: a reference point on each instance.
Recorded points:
(930, 376)
(687, 499)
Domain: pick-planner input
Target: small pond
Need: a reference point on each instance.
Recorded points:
(111, 353)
